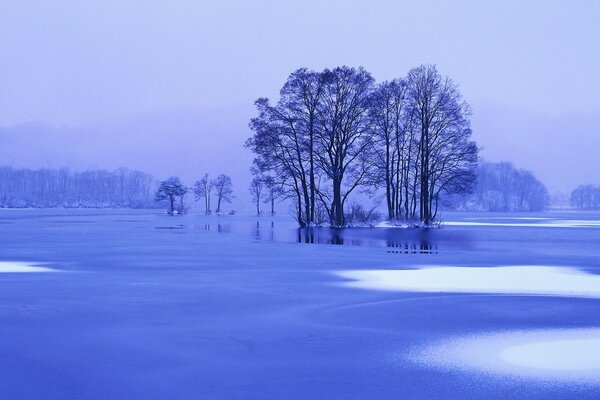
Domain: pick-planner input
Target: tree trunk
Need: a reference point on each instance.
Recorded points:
(337, 208)
(388, 185)
(312, 175)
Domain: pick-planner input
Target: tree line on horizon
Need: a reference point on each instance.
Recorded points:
(586, 197)
(46, 187)
(336, 132)
(502, 187)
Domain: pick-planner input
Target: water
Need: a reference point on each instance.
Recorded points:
(149, 306)
(399, 240)
(498, 234)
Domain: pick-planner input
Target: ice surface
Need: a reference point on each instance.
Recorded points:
(12, 266)
(551, 354)
(233, 307)
(536, 280)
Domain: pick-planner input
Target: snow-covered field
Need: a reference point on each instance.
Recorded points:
(238, 307)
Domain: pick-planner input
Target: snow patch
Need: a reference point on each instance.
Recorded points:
(12, 267)
(527, 280)
(549, 354)
(549, 224)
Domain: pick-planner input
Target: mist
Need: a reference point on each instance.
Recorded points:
(169, 88)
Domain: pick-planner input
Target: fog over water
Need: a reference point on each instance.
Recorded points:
(168, 87)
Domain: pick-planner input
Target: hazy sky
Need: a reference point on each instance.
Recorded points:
(528, 69)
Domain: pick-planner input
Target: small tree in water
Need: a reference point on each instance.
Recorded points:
(202, 190)
(274, 191)
(256, 190)
(171, 190)
(223, 190)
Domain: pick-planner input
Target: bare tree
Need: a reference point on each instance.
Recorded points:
(256, 190)
(284, 141)
(447, 156)
(202, 190)
(390, 146)
(273, 191)
(223, 190)
(343, 135)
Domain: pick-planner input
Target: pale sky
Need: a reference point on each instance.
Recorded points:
(528, 69)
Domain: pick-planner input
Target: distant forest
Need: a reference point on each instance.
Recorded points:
(586, 197)
(502, 187)
(122, 188)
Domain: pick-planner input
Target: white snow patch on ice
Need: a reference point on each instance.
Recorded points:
(551, 354)
(525, 218)
(548, 224)
(514, 218)
(389, 224)
(529, 280)
(14, 266)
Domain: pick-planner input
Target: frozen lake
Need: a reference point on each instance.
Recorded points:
(105, 304)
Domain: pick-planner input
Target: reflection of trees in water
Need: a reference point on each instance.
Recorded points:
(413, 245)
(422, 246)
(397, 241)
(220, 228)
(258, 234)
(320, 236)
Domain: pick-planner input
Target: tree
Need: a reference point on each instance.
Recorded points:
(273, 191)
(390, 150)
(170, 190)
(446, 155)
(223, 190)
(256, 189)
(312, 138)
(284, 140)
(343, 135)
(202, 190)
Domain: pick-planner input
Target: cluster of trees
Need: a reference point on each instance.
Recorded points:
(586, 197)
(221, 186)
(502, 187)
(173, 191)
(335, 132)
(264, 188)
(64, 188)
